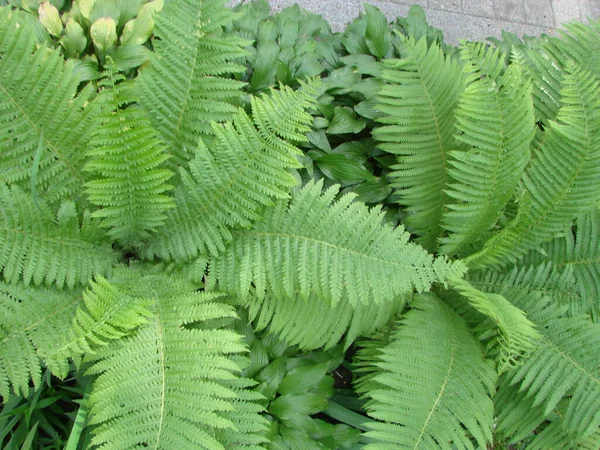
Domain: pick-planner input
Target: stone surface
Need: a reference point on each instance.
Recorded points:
(539, 12)
(565, 11)
(590, 9)
(483, 8)
(445, 5)
(511, 10)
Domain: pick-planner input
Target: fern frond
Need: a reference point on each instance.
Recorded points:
(38, 249)
(313, 246)
(314, 323)
(33, 324)
(166, 384)
(126, 158)
(577, 43)
(566, 365)
(184, 88)
(419, 103)
(563, 180)
(495, 119)
(577, 252)
(38, 98)
(247, 166)
(432, 386)
(517, 336)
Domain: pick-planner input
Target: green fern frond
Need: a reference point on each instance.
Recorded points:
(313, 246)
(247, 166)
(432, 387)
(126, 157)
(562, 181)
(495, 119)
(38, 97)
(36, 249)
(185, 88)
(314, 323)
(577, 43)
(33, 324)
(517, 336)
(577, 252)
(419, 103)
(566, 365)
(166, 384)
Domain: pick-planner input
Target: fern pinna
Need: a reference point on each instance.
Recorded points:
(144, 214)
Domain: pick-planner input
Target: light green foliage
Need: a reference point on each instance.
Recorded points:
(495, 120)
(33, 323)
(38, 97)
(35, 248)
(247, 166)
(313, 246)
(127, 159)
(431, 385)
(185, 86)
(175, 398)
(178, 311)
(517, 336)
(419, 102)
(562, 180)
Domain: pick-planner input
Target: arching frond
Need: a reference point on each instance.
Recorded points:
(495, 120)
(39, 100)
(578, 253)
(171, 383)
(563, 180)
(34, 322)
(517, 336)
(183, 88)
(314, 323)
(419, 101)
(127, 159)
(432, 386)
(37, 249)
(566, 365)
(247, 166)
(313, 246)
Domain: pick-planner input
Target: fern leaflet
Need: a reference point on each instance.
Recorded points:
(312, 246)
(419, 103)
(563, 180)
(432, 386)
(126, 156)
(246, 167)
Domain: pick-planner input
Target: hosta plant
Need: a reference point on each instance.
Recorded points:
(163, 239)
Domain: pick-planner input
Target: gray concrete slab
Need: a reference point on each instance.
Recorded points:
(464, 19)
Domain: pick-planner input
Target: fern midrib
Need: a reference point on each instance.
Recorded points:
(49, 144)
(161, 353)
(328, 244)
(442, 390)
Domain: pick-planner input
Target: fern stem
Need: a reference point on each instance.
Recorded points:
(344, 415)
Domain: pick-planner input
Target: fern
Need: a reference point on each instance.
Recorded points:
(33, 323)
(432, 387)
(309, 246)
(314, 323)
(495, 119)
(246, 167)
(517, 335)
(172, 394)
(184, 88)
(38, 99)
(36, 249)
(126, 157)
(419, 104)
(577, 253)
(561, 182)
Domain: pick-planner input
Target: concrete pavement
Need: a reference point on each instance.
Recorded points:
(458, 19)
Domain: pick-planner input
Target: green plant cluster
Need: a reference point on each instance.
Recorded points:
(226, 229)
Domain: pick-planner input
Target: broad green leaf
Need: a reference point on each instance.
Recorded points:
(345, 121)
(377, 35)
